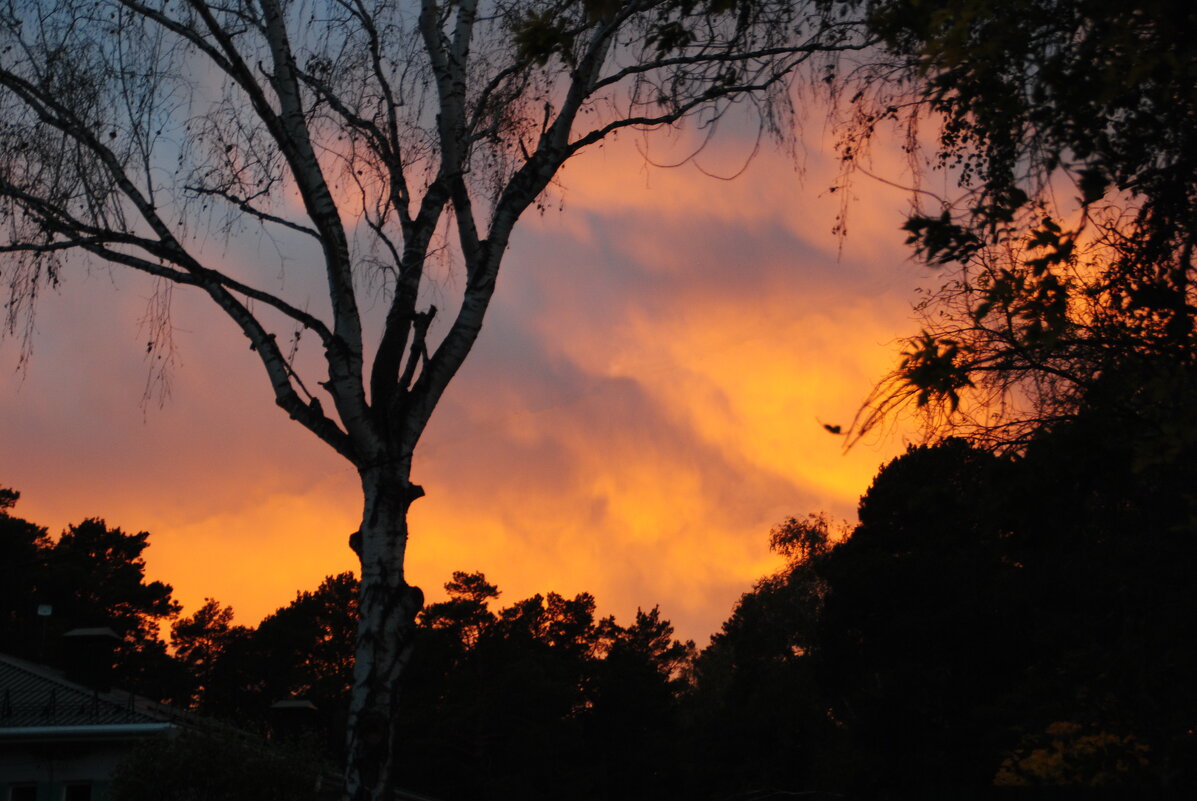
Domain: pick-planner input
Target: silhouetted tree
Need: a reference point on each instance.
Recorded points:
(466, 614)
(23, 551)
(1110, 554)
(8, 499)
(984, 602)
(1041, 103)
(516, 697)
(631, 721)
(919, 636)
(96, 577)
(91, 576)
(540, 699)
(754, 722)
(1064, 334)
(387, 121)
(200, 641)
(318, 627)
(302, 651)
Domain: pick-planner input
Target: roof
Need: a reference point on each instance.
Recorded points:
(37, 700)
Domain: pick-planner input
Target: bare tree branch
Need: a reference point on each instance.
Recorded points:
(352, 128)
(247, 206)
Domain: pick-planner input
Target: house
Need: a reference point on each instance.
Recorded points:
(61, 740)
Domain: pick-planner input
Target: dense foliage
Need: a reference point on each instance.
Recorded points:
(1063, 337)
(1069, 127)
(220, 764)
(990, 619)
(90, 576)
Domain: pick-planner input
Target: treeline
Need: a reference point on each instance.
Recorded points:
(991, 619)
(523, 700)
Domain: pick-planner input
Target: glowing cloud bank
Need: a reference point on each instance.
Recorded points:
(645, 403)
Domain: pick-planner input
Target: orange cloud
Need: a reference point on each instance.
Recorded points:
(645, 403)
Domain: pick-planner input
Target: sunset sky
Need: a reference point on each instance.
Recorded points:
(643, 406)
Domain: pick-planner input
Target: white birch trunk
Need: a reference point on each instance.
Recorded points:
(388, 607)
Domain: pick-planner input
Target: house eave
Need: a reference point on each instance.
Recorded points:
(108, 731)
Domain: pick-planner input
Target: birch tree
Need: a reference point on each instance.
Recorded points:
(364, 128)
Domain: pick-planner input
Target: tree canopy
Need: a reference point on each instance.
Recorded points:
(1069, 126)
(1061, 342)
(89, 576)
